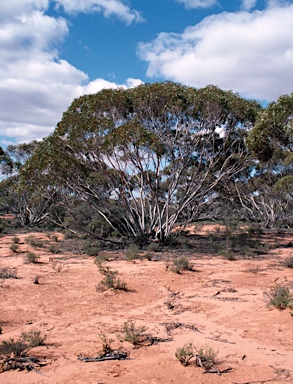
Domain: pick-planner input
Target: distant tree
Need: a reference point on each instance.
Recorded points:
(29, 206)
(148, 158)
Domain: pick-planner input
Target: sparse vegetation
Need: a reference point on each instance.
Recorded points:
(33, 338)
(288, 262)
(15, 240)
(207, 356)
(186, 353)
(14, 248)
(34, 242)
(19, 347)
(132, 252)
(280, 297)
(32, 257)
(8, 273)
(111, 281)
(134, 334)
(180, 264)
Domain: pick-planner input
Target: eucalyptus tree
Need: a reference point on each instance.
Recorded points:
(29, 206)
(271, 142)
(146, 159)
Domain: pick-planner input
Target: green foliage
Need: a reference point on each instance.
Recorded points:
(280, 297)
(181, 264)
(132, 333)
(34, 242)
(111, 281)
(15, 240)
(288, 262)
(106, 345)
(14, 247)
(132, 252)
(8, 273)
(11, 346)
(141, 159)
(26, 340)
(186, 353)
(207, 356)
(32, 257)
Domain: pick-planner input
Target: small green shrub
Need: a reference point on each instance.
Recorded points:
(106, 344)
(32, 257)
(53, 249)
(15, 240)
(154, 247)
(33, 338)
(132, 252)
(14, 248)
(280, 297)
(288, 262)
(181, 264)
(25, 341)
(111, 281)
(11, 346)
(186, 353)
(8, 273)
(207, 356)
(34, 242)
(133, 334)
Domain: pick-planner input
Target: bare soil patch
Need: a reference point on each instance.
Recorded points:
(220, 303)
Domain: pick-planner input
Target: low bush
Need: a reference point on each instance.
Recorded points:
(132, 252)
(186, 353)
(288, 262)
(15, 240)
(14, 248)
(111, 281)
(32, 257)
(180, 264)
(134, 334)
(34, 242)
(280, 297)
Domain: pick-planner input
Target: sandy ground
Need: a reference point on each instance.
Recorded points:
(221, 303)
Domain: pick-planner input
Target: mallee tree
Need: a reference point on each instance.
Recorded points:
(146, 159)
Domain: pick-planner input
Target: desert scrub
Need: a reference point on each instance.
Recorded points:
(186, 353)
(15, 240)
(280, 297)
(25, 341)
(180, 264)
(53, 249)
(206, 355)
(14, 248)
(13, 347)
(34, 242)
(33, 338)
(132, 252)
(288, 262)
(134, 334)
(32, 257)
(8, 273)
(111, 281)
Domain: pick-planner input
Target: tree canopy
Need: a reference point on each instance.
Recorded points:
(145, 159)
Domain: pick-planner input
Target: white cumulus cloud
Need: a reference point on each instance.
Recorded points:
(36, 85)
(107, 7)
(189, 4)
(248, 52)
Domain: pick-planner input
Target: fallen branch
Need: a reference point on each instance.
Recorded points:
(113, 355)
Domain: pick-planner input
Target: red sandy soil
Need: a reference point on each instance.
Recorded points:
(224, 301)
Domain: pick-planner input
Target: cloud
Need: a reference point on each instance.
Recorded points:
(251, 53)
(248, 4)
(189, 4)
(107, 7)
(36, 85)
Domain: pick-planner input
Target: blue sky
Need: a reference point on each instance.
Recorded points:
(52, 51)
